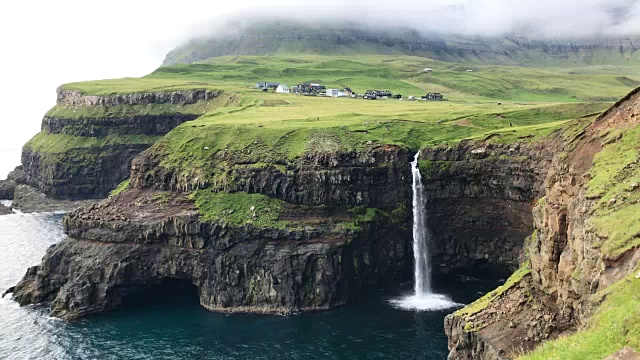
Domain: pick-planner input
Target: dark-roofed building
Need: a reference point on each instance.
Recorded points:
(433, 96)
(267, 85)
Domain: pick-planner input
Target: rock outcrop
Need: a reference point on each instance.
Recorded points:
(28, 199)
(480, 196)
(566, 253)
(376, 177)
(4, 210)
(131, 241)
(75, 98)
(7, 189)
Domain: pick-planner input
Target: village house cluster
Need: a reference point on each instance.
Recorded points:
(311, 89)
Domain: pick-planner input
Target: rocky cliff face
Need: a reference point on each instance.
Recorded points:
(377, 178)
(134, 240)
(97, 150)
(569, 257)
(89, 173)
(75, 98)
(480, 196)
(155, 231)
(101, 127)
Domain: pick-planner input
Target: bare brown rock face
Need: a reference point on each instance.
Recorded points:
(564, 254)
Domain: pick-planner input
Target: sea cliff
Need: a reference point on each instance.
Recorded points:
(583, 242)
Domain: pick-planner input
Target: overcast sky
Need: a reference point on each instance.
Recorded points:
(47, 43)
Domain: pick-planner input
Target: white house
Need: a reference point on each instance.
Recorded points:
(283, 89)
(428, 70)
(333, 92)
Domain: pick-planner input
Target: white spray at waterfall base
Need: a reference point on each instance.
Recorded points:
(423, 297)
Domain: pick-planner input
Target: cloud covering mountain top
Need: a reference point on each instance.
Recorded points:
(531, 18)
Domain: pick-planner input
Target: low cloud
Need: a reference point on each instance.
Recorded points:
(530, 18)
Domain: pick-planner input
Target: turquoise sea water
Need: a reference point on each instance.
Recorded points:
(171, 325)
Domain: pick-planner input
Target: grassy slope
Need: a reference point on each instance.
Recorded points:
(134, 85)
(404, 74)
(268, 127)
(400, 74)
(613, 175)
(284, 37)
(615, 324)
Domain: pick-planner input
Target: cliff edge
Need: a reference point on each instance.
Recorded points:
(581, 260)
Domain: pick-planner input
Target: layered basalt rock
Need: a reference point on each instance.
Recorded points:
(92, 171)
(89, 173)
(377, 177)
(75, 98)
(7, 189)
(8, 186)
(479, 200)
(100, 127)
(131, 241)
(564, 253)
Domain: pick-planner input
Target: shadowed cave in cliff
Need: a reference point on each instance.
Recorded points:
(166, 292)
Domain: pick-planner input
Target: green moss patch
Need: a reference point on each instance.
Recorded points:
(480, 304)
(239, 208)
(120, 188)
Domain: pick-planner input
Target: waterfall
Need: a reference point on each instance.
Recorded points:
(423, 298)
(421, 236)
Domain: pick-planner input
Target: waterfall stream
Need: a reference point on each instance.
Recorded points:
(423, 298)
(421, 236)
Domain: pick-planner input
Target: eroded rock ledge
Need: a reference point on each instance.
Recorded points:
(75, 98)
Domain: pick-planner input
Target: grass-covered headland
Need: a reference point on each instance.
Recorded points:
(267, 129)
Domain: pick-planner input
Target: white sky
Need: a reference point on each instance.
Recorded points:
(48, 43)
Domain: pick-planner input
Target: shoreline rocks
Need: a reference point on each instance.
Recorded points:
(28, 199)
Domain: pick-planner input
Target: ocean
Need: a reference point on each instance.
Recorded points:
(174, 326)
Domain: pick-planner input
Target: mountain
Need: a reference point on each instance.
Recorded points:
(287, 37)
